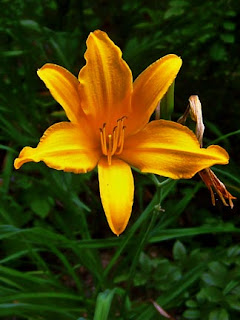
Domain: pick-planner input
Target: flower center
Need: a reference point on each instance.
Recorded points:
(113, 143)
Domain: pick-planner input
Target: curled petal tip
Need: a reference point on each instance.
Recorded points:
(26, 155)
(16, 164)
(221, 154)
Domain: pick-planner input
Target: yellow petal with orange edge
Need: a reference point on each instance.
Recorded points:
(116, 191)
(171, 150)
(149, 88)
(63, 86)
(64, 146)
(105, 82)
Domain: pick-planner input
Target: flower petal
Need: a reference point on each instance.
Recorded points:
(171, 150)
(105, 82)
(64, 88)
(150, 87)
(116, 191)
(64, 146)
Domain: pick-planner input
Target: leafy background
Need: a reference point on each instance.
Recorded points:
(58, 258)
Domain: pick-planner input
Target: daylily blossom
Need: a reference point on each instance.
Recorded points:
(108, 127)
(207, 175)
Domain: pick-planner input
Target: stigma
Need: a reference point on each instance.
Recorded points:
(112, 144)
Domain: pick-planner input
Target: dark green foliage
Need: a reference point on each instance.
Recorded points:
(58, 258)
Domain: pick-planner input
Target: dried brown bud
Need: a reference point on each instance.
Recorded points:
(194, 109)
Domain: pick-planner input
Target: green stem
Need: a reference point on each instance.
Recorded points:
(167, 104)
(159, 184)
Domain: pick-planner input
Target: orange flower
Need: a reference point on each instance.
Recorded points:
(109, 127)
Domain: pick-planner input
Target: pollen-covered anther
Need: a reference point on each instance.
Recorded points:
(112, 143)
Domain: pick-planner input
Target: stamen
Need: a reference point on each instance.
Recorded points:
(115, 140)
(120, 126)
(104, 135)
(121, 141)
(103, 139)
(112, 143)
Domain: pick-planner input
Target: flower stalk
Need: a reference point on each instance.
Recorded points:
(165, 107)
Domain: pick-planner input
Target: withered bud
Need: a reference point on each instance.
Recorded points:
(194, 109)
(213, 183)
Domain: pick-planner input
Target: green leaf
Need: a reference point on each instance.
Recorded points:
(13, 53)
(178, 3)
(139, 280)
(161, 235)
(219, 314)
(103, 304)
(212, 279)
(218, 52)
(191, 304)
(175, 291)
(234, 303)
(172, 12)
(227, 37)
(39, 295)
(41, 206)
(13, 309)
(30, 24)
(230, 286)
(228, 25)
(191, 314)
(145, 262)
(213, 294)
(7, 231)
(16, 256)
(179, 251)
